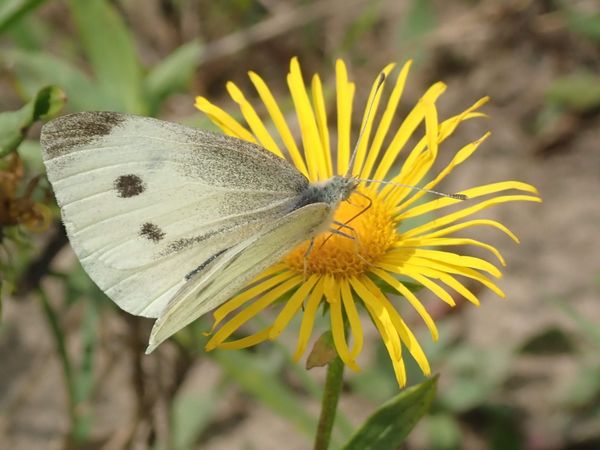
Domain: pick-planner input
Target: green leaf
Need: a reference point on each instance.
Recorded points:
(550, 341)
(585, 325)
(14, 124)
(323, 352)
(34, 70)
(111, 52)
(578, 91)
(261, 383)
(190, 416)
(583, 23)
(12, 10)
(390, 424)
(420, 21)
(173, 73)
(443, 431)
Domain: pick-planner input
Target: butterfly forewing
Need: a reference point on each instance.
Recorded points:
(146, 202)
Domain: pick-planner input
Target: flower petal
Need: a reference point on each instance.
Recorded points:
(318, 100)
(234, 303)
(344, 96)
(388, 333)
(292, 306)
(337, 325)
(224, 120)
(460, 157)
(371, 299)
(408, 339)
(410, 298)
(247, 341)
(449, 258)
(471, 223)
(252, 119)
(408, 127)
(279, 121)
(308, 318)
(313, 150)
(367, 121)
(453, 217)
(426, 264)
(249, 312)
(353, 318)
(443, 242)
(386, 120)
(472, 193)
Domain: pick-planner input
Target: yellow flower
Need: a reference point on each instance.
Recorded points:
(348, 274)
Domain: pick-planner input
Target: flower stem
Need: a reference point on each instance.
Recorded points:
(331, 395)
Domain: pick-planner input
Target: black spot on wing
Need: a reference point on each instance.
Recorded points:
(68, 133)
(152, 232)
(129, 186)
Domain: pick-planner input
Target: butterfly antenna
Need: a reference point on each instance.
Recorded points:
(380, 81)
(417, 188)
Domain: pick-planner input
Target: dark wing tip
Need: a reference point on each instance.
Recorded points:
(64, 134)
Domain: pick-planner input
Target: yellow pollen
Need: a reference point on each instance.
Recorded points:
(374, 232)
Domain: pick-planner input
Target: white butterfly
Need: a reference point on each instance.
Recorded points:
(169, 221)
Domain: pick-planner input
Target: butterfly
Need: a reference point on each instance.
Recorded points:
(171, 221)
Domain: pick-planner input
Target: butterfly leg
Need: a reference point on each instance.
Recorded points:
(354, 237)
(306, 255)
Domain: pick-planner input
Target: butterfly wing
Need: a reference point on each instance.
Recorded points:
(147, 202)
(229, 272)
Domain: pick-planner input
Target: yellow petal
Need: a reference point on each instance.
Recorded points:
(444, 242)
(459, 287)
(249, 312)
(234, 303)
(411, 298)
(386, 120)
(321, 114)
(418, 276)
(408, 127)
(308, 318)
(279, 121)
(252, 119)
(408, 339)
(225, 121)
(468, 224)
(380, 314)
(338, 333)
(367, 121)
(472, 193)
(453, 217)
(313, 150)
(418, 164)
(456, 260)
(344, 96)
(292, 306)
(247, 341)
(424, 264)
(353, 318)
(460, 157)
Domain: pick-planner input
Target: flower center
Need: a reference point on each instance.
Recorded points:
(373, 232)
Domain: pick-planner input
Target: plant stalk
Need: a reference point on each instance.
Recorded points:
(331, 396)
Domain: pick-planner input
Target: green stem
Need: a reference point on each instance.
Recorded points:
(331, 395)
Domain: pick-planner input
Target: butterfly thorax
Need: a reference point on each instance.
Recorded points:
(331, 191)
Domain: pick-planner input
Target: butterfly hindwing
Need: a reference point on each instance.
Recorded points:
(146, 202)
(230, 271)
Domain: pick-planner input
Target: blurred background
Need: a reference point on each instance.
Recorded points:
(520, 373)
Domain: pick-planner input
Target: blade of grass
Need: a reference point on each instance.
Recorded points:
(11, 11)
(173, 73)
(111, 51)
(266, 387)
